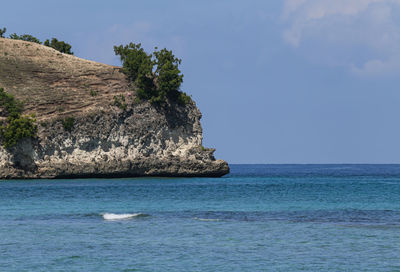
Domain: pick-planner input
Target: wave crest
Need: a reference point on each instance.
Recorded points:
(121, 216)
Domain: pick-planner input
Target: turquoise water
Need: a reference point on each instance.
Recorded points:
(258, 218)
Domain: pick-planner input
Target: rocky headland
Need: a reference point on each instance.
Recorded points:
(89, 123)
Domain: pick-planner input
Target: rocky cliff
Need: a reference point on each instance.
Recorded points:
(91, 125)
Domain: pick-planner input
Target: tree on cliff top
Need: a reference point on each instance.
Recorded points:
(169, 77)
(135, 61)
(61, 46)
(25, 37)
(2, 32)
(156, 75)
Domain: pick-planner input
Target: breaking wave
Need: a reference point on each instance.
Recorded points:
(122, 216)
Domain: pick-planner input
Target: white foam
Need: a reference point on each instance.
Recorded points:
(121, 216)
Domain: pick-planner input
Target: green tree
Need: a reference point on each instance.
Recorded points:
(61, 46)
(68, 123)
(17, 127)
(169, 77)
(156, 75)
(25, 37)
(135, 61)
(138, 67)
(2, 32)
(13, 108)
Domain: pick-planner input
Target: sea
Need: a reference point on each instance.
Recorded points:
(257, 218)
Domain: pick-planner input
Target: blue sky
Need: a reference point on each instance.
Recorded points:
(288, 81)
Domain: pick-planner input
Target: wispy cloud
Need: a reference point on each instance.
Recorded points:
(362, 35)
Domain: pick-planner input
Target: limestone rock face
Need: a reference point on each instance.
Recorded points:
(105, 140)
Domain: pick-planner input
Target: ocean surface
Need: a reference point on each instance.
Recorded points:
(258, 218)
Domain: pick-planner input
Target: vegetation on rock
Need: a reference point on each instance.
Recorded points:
(17, 127)
(2, 32)
(61, 46)
(93, 93)
(156, 75)
(25, 37)
(12, 107)
(58, 88)
(119, 101)
(68, 123)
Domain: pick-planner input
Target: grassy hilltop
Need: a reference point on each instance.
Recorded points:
(52, 84)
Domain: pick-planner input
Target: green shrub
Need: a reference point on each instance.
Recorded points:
(119, 101)
(135, 61)
(93, 93)
(68, 123)
(184, 98)
(157, 76)
(2, 32)
(12, 106)
(61, 46)
(25, 37)
(17, 127)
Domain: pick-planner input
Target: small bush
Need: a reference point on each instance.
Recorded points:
(25, 37)
(119, 101)
(17, 127)
(137, 100)
(93, 93)
(61, 46)
(12, 106)
(68, 123)
(2, 32)
(184, 98)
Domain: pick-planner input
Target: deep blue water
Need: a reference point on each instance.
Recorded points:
(258, 218)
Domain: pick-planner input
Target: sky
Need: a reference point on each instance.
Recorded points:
(277, 81)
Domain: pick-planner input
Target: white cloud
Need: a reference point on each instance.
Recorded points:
(376, 67)
(363, 35)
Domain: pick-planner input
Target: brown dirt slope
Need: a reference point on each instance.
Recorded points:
(53, 84)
